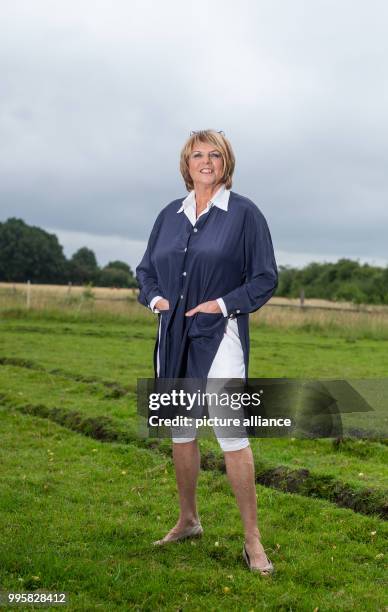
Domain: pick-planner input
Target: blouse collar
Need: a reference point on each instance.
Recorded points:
(220, 199)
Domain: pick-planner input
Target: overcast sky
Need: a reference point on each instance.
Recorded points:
(98, 97)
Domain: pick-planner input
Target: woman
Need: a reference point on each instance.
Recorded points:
(209, 263)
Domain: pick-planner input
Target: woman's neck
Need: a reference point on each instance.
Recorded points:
(204, 193)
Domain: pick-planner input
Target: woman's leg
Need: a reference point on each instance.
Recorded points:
(187, 463)
(241, 474)
(229, 363)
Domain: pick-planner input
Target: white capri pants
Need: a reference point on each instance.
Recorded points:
(228, 363)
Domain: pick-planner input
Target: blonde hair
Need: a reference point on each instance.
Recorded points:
(220, 143)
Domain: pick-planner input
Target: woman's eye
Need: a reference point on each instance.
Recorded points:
(198, 155)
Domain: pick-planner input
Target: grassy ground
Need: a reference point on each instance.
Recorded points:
(79, 515)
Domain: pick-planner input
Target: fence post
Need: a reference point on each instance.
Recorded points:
(302, 298)
(69, 288)
(28, 294)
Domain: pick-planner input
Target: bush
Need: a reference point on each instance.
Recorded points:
(114, 277)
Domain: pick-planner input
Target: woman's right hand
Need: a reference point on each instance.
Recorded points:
(162, 304)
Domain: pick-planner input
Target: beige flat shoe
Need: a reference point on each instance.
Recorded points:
(267, 570)
(190, 532)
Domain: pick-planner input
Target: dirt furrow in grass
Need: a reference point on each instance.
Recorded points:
(115, 389)
(362, 500)
(70, 331)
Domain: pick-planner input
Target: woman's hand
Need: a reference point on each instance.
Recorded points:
(211, 307)
(162, 304)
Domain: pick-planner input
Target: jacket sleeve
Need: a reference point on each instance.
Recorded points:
(145, 272)
(260, 270)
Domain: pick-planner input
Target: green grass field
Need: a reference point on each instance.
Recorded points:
(83, 497)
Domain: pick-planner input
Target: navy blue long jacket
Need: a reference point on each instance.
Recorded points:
(227, 254)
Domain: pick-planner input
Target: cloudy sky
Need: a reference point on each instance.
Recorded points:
(97, 98)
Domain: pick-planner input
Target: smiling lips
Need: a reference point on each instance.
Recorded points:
(206, 171)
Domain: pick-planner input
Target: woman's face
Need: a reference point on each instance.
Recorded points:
(205, 164)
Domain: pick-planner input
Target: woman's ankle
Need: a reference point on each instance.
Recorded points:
(189, 520)
(252, 534)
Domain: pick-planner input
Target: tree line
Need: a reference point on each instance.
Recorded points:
(30, 253)
(345, 280)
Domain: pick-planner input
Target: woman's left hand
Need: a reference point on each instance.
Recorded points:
(211, 307)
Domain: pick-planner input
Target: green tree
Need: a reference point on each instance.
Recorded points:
(113, 277)
(83, 267)
(286, 276)
(350, 292)
(114, 280)
(30, 253)
(120, 265)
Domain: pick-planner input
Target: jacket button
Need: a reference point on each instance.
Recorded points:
(237, 311)
(181, 297)
(195, 229)
(184, 273)
(185, 250)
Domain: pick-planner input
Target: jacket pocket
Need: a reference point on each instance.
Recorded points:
(207, 325)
